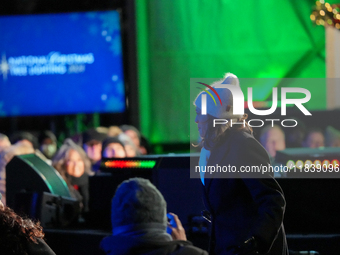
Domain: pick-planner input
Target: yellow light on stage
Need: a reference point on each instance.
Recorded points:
(322, 13)
(308, 162)
(317, 163)
(329, 21)
(337, 16)
(335, 163)
(322, 22)
(335, 11)
(318, 22)
(337, 25)
(299, 164)
(322, 1)
(327, 5)
(330, 9)
(312, 17)
(325, 163)
(318, 3)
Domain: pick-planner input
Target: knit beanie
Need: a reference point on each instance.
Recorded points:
(126, 140)
(224, 111)
(93, 134)
(130, 127)
(23, 135)
(138, 201)
(108, 141)
(47, 134)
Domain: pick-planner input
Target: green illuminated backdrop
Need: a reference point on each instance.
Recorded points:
(181, 39)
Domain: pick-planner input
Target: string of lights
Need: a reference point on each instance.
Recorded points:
(318, 163)
(130, 164)
(325, 14)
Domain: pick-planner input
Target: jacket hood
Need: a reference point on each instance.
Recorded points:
(123, 245)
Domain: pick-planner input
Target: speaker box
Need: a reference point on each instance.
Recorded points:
(37, 190)
(51, 210)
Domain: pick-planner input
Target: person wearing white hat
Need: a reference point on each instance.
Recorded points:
(246, 210)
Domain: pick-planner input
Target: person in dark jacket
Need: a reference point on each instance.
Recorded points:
(246, 209)
(20, 236)
(139, 223)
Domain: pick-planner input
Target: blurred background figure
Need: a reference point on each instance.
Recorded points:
(133, 133)
(4, 142)
(332, 137)
(273, 140)
(92, 145)
(74, 167)
(145, 147)
(129, 146)
(24, 137)
(314, 138)
(102, 130)
(5, 156)
(114, 131)
(20, 235)
(48, 144)
(113, 148)
(295, 136)
(29, 140)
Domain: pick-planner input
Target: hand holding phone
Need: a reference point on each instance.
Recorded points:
(175, 227)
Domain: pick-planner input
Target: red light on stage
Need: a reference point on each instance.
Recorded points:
(130, 163)
(335, 163)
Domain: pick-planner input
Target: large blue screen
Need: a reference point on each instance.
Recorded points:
(61, 64)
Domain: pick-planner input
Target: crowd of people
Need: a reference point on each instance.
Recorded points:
(246, 214)
(274, 139)
(78, 157)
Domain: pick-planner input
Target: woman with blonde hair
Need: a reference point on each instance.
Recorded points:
(75, 167)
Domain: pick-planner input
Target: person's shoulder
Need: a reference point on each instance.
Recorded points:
(236, 140)
(244, 143)
(186, 248)
(232, 135)
(241, 138)
(191, 250)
